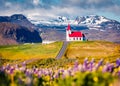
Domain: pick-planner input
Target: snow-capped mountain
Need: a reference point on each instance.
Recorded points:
(95, 27)
(91, 21)
(97, 22)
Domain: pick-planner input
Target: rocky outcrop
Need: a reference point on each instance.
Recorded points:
(17, 34)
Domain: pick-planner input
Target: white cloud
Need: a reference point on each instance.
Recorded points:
(54, 12)
(8, 4)
(43, 8)
(36, 2)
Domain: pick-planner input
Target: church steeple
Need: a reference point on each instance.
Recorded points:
(68, 30)
(68, 27)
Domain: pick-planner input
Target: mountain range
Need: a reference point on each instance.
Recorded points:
(17, 29)
(91, 20)
(95, 27)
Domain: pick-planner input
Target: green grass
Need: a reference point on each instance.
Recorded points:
(52, 63)
(6, 61)
(93, 49)
(28, 51)
(80, 50)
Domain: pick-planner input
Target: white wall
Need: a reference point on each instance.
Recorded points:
(72, 38)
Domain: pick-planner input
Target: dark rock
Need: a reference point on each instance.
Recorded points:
(19, 34)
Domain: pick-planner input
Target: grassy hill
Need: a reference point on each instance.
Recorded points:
(93, 49)
(80, 50)
(28, 51)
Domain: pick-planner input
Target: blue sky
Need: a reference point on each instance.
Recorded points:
(69, 8)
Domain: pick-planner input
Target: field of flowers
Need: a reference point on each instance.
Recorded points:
(71, 73)
(35, 65)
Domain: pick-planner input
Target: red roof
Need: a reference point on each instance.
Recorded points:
(75, 34)
(68, 28)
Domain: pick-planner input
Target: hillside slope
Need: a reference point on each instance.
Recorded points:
(30, 51)
(13, 34)
(17, 29)
(93, 49)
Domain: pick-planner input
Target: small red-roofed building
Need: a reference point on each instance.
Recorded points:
(74, 35)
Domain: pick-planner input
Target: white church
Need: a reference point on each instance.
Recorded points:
(74, 35)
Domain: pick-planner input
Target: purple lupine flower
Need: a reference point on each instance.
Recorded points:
(91, 64)
(11, 70)
(63, 76)
(22, 68)
(110, 68)
(7, 66)
(62, 70)
(16, 67)
(85, 64)
(106, 67)
(39, 74)
(76, 63)
(24, 63)
(118, 62)
(80, 67)
(51, 75)
(70, 72)
(64, 73)
(34, 68)
(56, 75)
(99, 64)
(119, 74)
(2, 68)
(36, 71)
(27, 72)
